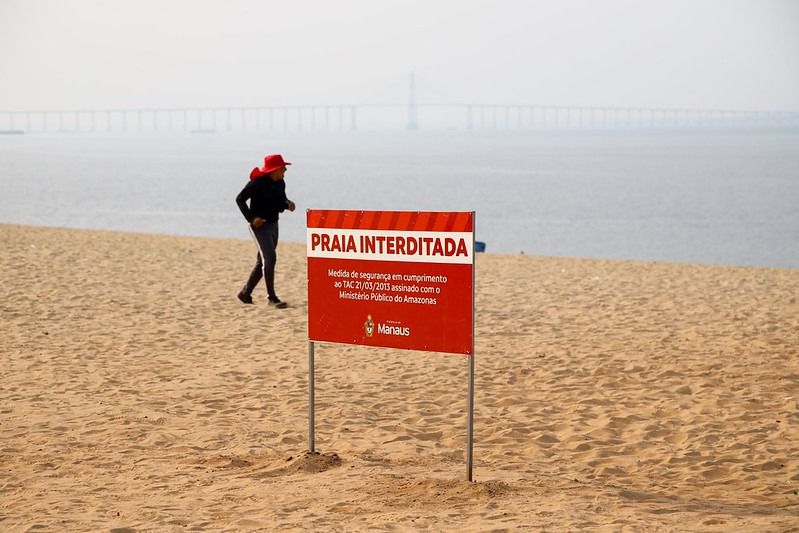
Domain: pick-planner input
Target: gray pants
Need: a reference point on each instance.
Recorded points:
(265, 239)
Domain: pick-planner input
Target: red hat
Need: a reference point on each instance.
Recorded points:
(271, 163)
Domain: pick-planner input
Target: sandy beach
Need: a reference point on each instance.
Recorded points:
(138, 394)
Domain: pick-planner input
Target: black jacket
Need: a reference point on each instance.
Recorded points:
(267, 199)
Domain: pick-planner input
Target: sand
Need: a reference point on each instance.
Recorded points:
(138, 394)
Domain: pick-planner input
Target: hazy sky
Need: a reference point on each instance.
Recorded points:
(57, 54)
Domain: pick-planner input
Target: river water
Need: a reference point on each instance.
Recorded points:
(713, 197)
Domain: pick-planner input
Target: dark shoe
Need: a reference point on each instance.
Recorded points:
(277, 302)
(245, 298)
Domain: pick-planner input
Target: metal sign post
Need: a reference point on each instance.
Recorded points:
(470, 387)
(311, 447)
(470, 420)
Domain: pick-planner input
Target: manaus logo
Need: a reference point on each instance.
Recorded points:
(369, 326)
(384, 329)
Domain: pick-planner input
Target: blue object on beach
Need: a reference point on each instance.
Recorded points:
(479, 246)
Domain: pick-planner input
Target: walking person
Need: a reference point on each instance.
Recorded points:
(266, 192)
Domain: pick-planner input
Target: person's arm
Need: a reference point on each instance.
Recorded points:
(285, 202)
(241, 201)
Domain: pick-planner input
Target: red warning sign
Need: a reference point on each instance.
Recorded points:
(398, 279)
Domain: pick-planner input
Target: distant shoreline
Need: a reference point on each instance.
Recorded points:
(294, 243)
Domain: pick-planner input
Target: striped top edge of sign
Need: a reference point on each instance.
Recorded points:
(457, 221)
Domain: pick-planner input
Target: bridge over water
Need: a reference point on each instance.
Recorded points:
(340, 117)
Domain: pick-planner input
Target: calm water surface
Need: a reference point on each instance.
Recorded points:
(697, 197)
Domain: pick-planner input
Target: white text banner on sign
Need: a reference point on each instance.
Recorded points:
(388, 245)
